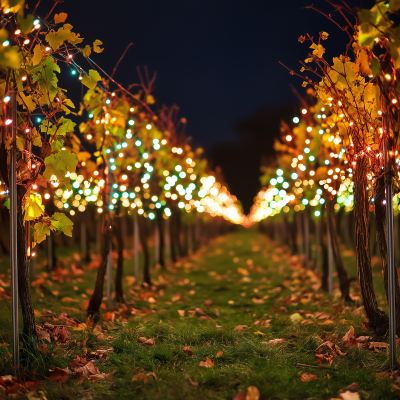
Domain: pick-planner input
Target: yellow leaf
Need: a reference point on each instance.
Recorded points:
(37, 55)
(96, 46)
(296, 317)
(324, 35)
(259, 333)
(33, 208)
(59, 18)
(243, 271)
(220, 354)
(318, 50)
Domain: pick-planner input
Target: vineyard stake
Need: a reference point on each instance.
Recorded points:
(14, 222)
(390, 242)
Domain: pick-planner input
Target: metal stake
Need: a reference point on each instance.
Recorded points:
(167, 239)
(83, 237)
(306, 239)
(14, 227)
(109, 258)
(136, 245)
(330, 259)
(157, 243)
(317, 264)
(50, 253)
(390, 242)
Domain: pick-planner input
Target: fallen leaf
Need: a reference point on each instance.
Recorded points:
(296, 317)
(60, 375)
(274, 342)
(69, 300)
(42, 347)
(349, 396)
(86, 370)
(84, 305)
(181, 313)
(106, 376)
(352, 387)
(243, 271)
(308, 377)
(188, 351)
(220, 354)
(208, 363)
(241, 327)
(252, 393)
(365, 324)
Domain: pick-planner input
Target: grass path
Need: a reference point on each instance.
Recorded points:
(222, 306)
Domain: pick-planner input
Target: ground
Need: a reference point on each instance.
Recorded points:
(205, 332)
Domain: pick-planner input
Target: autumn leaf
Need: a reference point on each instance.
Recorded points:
(308, 377)
(302, 39)
(60, 375)
(33, 208)
(349, 396)
(188, 350)
(220, 354)
(324, 35)
(59, 18)
(96, 46)
(243, 271)
(61, 222)
(241, 328)
(69, 300)
(86, 51)
(91, 79)
(208, 363)
(274, 342)
(318, 50)
(252, 393)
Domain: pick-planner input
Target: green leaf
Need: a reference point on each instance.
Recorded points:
(62, 223)
(7, 203)
(375, 66)
(96, 46)
(41, 231)
(56, 39)
(59, 164)
(37, 55)
(33, 208)
(91, 80)
(26, 24)
(86, 51)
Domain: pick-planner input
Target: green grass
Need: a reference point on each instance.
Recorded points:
(212, 274)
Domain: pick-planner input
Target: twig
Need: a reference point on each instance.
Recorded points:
(314, 366)
(123, 55)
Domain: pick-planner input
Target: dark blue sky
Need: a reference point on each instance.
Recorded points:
(216, 59)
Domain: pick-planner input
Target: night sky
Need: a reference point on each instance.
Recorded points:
(217, 60)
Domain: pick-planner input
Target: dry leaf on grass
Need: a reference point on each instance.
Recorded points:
(333, 352)
(143, 377)
(85, 371)
(106, 376)
(251, 393)
(349, 396)
(188, 351)
(60, 375)
(220, 354)
(193, 383)
(146, 342)
(352, 387)
(181, 313)
(241, 327)
(274, 342)
(208, 363)
(308, 377)
(69, 300)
